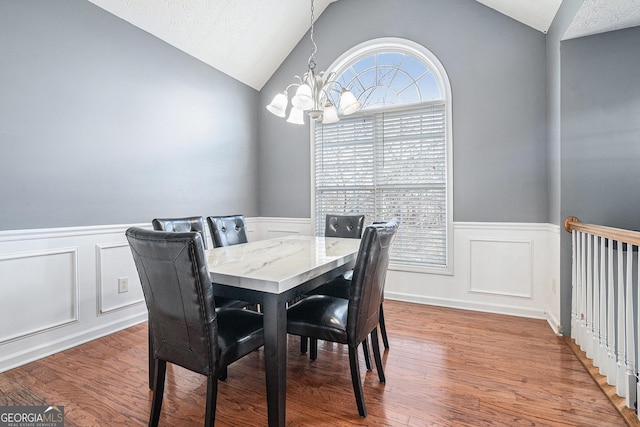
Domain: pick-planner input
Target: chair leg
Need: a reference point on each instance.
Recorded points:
(365, 350)
(383, 328)
(158, 391)
(313, 351)
(152, 360)
(303, 344)
(376, 354)
(212, 396)
(222, 375)
(355, 380)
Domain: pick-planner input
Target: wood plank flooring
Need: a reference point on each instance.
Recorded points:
(446, 367)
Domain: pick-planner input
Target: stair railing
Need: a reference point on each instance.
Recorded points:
(605, 301)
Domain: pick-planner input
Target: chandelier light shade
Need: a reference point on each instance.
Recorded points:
(279, 105)
(312, 95)
(349, 102)
(296, 116)
(330, 114)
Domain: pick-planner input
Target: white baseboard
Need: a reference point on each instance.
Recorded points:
(30, 354)
(554, 323)
(509, 310)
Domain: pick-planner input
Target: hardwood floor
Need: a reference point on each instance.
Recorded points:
(445, 367)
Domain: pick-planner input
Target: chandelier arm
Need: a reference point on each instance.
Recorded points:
(286, 90)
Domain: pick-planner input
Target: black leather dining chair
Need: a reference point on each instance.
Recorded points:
(192, 223)
(344, 226)
(350, 321)
(339, 287)
(348, 226)
(187, 328)
(227, 230)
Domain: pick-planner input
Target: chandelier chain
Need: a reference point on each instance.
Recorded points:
(314, 48)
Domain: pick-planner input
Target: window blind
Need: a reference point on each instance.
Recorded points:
(388, 164)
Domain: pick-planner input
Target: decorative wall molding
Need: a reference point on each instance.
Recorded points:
(55, 272)
(56, 233)
(108, 298)
(501, 267)
(471, 289)
(40, 292)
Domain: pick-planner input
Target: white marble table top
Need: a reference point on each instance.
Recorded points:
(279, 264)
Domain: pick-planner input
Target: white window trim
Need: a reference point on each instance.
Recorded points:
(412, 48)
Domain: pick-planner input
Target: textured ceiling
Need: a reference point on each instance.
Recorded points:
(599, 16)
(246, 39)
(537, 14)
(249, 39)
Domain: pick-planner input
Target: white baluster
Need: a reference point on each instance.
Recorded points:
(588, 312)
(574, 285)
(578, 287)
(637, 322)
(611, 318)
(581, 291)
(604, 332)
(630, 341)
(622, 329)
(584, 338)
(597, 333)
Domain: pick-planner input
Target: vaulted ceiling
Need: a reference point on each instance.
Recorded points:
(235, 36)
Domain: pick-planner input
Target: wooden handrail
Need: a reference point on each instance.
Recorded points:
(572, 223)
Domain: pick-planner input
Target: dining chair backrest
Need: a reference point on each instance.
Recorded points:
(191, 223)
(348, 226)
(179, 296)
(367, 283)
(227, 230)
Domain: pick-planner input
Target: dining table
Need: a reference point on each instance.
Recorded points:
(271, 273)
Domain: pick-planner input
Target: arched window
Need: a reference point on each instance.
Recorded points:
(393, 157)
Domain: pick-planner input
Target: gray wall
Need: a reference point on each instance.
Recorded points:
(601, 128)
(497, 69)
(561, 22)
(102, 123)
(600, 136)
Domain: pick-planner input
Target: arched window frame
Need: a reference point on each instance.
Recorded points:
(421, 53)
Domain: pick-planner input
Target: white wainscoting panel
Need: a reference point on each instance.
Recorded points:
(55, 282)
(501, 267)
(39, 291)
(114, 262)
(506, 268)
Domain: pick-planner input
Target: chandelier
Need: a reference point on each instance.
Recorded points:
(312, 95)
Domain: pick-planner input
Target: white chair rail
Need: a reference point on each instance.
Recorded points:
(605, 302)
